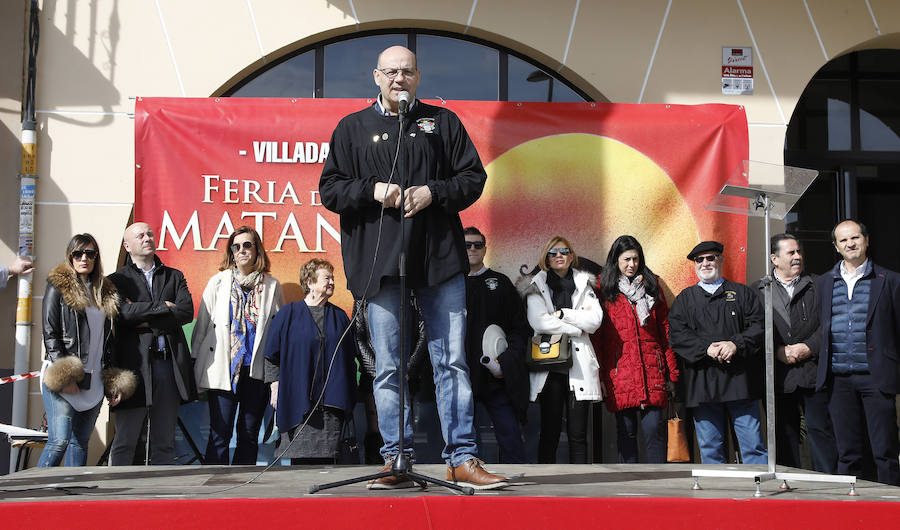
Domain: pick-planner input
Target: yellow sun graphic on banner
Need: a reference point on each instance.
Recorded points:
(589, 189)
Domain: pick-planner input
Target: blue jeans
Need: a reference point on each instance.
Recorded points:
(66, 429)
(710, 422)
(443, 309)
(253, 397)
(652, 424)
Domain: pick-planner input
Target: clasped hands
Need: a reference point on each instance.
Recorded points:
(416, 198)
(793, 353)
(722, 351)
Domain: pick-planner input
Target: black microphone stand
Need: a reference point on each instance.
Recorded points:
(402, 466)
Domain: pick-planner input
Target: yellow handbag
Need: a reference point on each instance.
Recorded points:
(549, 351)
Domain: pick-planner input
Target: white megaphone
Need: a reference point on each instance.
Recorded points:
(493, 343)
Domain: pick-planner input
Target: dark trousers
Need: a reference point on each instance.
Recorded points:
(790, 409)
(855, 398)
(556, 398)
(507, 429)
(163, 414)
(652, 424)
(252, 396)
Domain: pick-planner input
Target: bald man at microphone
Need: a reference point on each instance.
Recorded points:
(427, 151)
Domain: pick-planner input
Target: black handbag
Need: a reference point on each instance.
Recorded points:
(549, 351)
(348, 447)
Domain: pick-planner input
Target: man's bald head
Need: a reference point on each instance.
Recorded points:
(139, 241)
(395, 50)
(396, 72)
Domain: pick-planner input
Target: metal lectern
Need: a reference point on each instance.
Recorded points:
(773, 191)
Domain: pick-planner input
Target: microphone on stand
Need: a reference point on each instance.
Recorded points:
(403, 99)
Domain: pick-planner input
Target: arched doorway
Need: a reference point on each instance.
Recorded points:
(455, 66)
(847, 125)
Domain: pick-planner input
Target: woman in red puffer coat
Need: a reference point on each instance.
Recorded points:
(637, 364)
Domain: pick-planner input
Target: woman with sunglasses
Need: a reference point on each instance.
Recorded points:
(79, 309)
(238, 306)
(561, 300)
(639, 367)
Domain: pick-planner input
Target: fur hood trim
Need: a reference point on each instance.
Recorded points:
(531, 287)
(64, 279)
(64, 371)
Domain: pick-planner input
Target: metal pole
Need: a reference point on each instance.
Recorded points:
(770, 348)
(402, 463)
(27, 190)
(23, 303)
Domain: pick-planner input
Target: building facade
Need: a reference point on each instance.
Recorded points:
(825, 78)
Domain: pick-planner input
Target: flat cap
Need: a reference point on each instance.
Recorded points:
(706, 246)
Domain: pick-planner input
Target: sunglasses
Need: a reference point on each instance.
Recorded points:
(561, 251)
(477, 244)
(88, 253)
(700, 259)
(235, 248)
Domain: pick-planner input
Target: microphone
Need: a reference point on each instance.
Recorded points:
(403, 98)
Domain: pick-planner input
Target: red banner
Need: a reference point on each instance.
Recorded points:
(586, 171)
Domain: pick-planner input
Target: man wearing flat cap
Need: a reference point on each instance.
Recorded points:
(716, 328)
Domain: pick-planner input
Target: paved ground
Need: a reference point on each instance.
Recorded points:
(198, 482)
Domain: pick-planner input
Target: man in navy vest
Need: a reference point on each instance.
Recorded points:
(859, 307)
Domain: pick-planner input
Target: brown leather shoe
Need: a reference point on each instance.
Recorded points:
(472, 473)
(389, 482)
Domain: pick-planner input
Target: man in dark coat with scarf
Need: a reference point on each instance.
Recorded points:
(156, 303)
(716, 327)
(798, 338)
(502, 384)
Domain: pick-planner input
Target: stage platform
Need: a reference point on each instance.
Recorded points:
(542, 496)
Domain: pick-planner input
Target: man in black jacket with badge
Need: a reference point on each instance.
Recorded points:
(438, 167)
(501, 384)
(716, 327)
(156, 302)
(798, 337)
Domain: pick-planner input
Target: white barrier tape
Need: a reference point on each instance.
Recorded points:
(10, 379)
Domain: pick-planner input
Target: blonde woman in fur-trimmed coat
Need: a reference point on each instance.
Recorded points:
(561, 300)
(80, 308)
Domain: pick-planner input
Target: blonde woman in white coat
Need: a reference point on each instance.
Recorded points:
(238, 305)
(561, 300)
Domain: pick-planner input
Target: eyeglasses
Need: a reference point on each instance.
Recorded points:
(391, 73)
(88, 253)
(477, 244)
(700, 259)
(562, 251)
(235, 248)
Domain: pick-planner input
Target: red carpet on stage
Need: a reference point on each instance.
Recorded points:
(453, 512)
